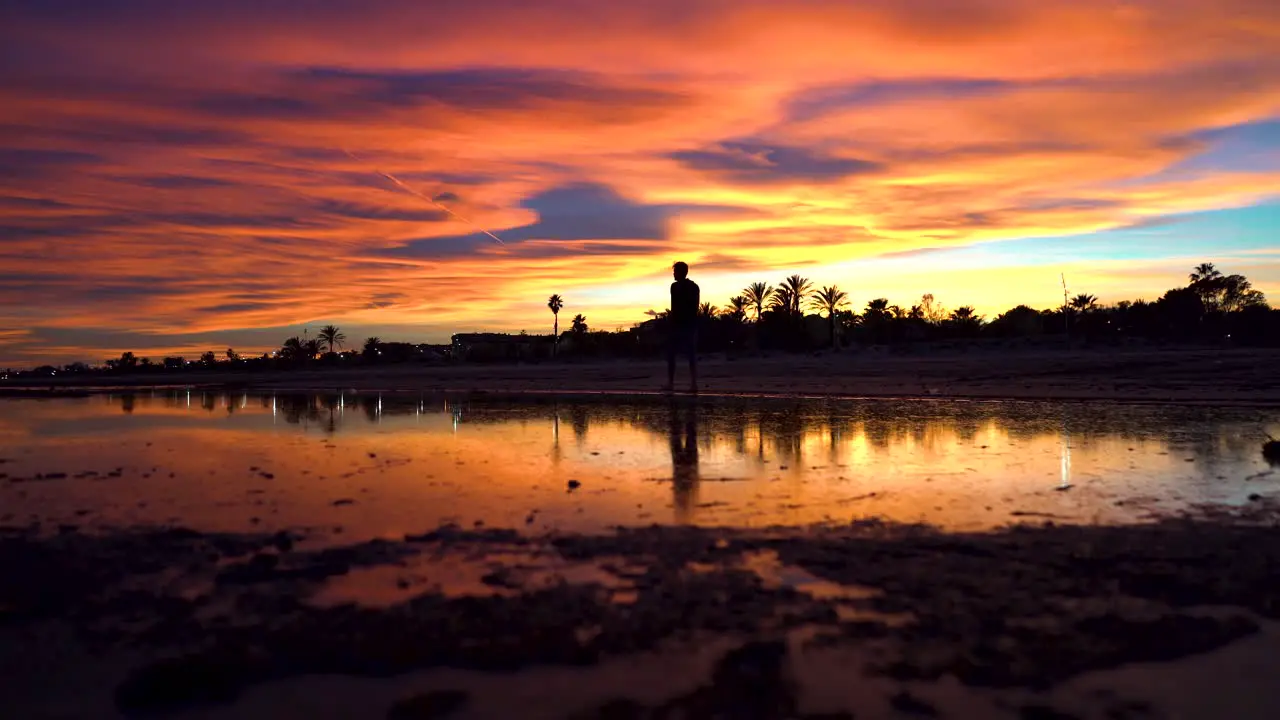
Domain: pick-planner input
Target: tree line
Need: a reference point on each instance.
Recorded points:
(1212, 307)
(797, 315)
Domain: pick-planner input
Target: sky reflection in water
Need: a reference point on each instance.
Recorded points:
(356, 466)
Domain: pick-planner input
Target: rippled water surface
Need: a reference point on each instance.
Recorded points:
(353, 466)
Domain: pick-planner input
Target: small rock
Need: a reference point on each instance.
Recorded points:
(343, 501)
(905, 702)
(1042, 712)
(1271, 451)
(574, 485)
(267, 475)
(429, 706)
(1255, 497)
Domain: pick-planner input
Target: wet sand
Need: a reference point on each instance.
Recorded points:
(1149, 374)
(861, 620)
(233, 556)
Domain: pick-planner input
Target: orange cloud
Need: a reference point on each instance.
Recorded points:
(181, 172)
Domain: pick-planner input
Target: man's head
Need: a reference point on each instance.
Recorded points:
(680, 270)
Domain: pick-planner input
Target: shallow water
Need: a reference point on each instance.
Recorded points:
(355, 466)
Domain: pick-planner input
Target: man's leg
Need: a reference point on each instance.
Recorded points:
(671, 364)
(692, 349)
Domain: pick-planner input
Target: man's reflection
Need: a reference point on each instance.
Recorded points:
(682, 431)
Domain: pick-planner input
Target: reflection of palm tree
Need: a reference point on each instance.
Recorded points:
(757, 295)
(830, 299)
(332, 338)
(683, 436)
(555, 302)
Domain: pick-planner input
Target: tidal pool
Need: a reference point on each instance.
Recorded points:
(356, 555)
(355, 466)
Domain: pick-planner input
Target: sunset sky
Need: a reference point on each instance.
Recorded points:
(183, 176)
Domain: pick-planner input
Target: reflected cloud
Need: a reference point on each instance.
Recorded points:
(705, 462)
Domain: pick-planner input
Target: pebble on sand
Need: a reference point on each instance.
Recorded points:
(428, 706)
(574, 485)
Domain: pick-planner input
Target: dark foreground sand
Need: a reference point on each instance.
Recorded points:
(1166, 375)
(1174, 619)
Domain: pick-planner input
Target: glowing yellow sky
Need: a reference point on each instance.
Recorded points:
(177, 176)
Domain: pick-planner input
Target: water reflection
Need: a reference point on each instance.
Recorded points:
(410, 460)
(682, 435)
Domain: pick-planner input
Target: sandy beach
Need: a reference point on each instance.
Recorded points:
(559, 541)
(1180, 375)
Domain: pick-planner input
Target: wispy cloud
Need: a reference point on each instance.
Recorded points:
(206, 173)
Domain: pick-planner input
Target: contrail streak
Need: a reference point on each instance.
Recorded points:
(400, 184)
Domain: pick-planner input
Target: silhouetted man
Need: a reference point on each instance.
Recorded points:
(682, 335)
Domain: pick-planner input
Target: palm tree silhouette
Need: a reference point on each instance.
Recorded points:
(331, 337)
(830, 299)
(706, 310)
(877, 310)
(555, 302)
(1203, 272)
(293, 349)
(780, 302)
(798, 288)
(757, 295)
(1084, 302)
(579, 324)
(737, 309)
(372, 346)
(965, 319)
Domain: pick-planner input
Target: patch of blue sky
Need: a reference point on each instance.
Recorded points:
(1211, 235)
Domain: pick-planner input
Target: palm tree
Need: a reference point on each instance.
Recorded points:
(232, 356)
(757, 295)
(311, 348)
(830, 299)
(965, 319)
(737, 309)
(555, 302)
(331, 337)
(706, 310)
(372, 346)
(293, 349)
(799, 289)
(877, 311)
(579, 324)
(1203, 272)
(780, 302)
(1084, 302)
